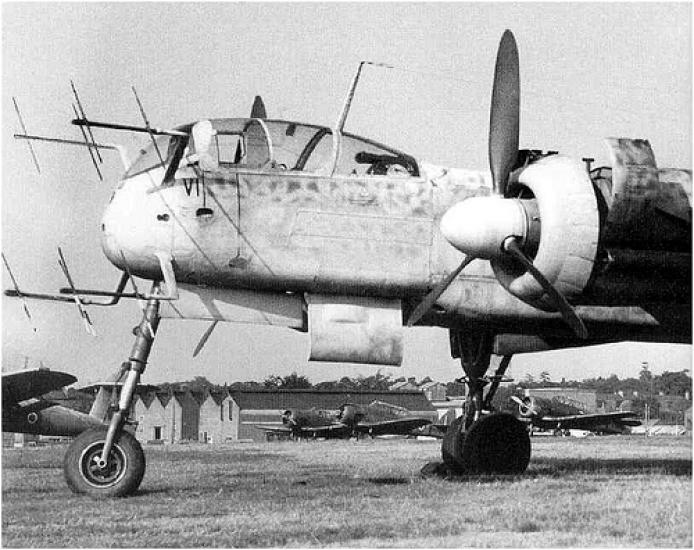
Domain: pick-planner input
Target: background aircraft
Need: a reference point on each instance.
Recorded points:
(377, 418)
(324, 231)
(25, 411)
(552, 414)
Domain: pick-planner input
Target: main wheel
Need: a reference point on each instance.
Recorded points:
(120, 477)
(452, 446)
(495, 444)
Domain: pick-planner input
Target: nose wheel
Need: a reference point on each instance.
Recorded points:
(121, 473)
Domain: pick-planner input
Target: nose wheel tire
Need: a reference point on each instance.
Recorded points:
(122, 473)
(495, 444)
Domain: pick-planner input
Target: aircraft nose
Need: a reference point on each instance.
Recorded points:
(136, 226)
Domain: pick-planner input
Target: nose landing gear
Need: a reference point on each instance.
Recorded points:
(109, 461)
(480, 441)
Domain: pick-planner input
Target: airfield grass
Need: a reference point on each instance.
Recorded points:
(599, 491)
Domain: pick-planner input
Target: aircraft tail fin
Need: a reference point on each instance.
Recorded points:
(258, 109)
(107, 394)
(99, 410)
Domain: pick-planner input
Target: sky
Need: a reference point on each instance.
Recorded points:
(588, 71)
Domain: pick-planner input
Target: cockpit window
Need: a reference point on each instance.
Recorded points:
(275, 145)
(149, 158)
(283, 145)
(228, 148)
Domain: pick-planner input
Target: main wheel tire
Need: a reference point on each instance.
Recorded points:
(121, 476)
(452, 446)
(496, 444)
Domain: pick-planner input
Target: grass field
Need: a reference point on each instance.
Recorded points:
(598, 491)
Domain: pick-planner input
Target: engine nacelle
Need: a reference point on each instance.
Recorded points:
(569, 231)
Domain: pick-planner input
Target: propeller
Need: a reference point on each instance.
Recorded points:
(525, 406)
(567, 312)
(496, 227)
(503, 150)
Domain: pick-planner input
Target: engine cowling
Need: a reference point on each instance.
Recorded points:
(549, 216)
(569, 231)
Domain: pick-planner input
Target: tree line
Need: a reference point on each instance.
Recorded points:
(646, 385)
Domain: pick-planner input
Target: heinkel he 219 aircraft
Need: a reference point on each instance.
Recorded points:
(303, 226)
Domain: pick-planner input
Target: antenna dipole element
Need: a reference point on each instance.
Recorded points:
(84, 117)
(90, 146)
(147, 126)
(19, 292)
(24, 129)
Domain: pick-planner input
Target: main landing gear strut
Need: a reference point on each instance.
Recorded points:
(481, 441)
(109, 462)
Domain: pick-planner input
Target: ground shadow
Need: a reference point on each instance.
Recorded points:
(611, 466)
(561, 467)
(390, 480)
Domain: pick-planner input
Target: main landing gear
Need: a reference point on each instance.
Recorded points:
(109, 462)
(481, 441)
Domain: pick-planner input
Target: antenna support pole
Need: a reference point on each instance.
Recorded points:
(337, 132)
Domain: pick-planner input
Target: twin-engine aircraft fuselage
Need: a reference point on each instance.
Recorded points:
(260, 211)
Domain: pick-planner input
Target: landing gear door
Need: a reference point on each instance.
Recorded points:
(355, 329)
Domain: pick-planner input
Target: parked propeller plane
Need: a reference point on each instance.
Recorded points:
(377, 418)
(550, 414)
(303, 226)
(24, 410)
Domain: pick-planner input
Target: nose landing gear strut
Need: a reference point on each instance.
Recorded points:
(481, 441)
(109, 462)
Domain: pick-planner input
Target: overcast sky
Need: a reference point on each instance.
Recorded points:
(588, 71)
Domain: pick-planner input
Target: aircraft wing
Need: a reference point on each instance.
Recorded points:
(399, 426)
(586, 421)
(273, 429)
(331, 430)
(22, 385)
(433, 430)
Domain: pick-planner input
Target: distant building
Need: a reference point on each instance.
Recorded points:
(434, 391)
(672, 409)
(608, 402)
(167, 417)
(216, 418)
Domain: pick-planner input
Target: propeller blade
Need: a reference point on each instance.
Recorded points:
(504, 118)
(258, 109)
(430, 299)
(567, 312)
(204, 338)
